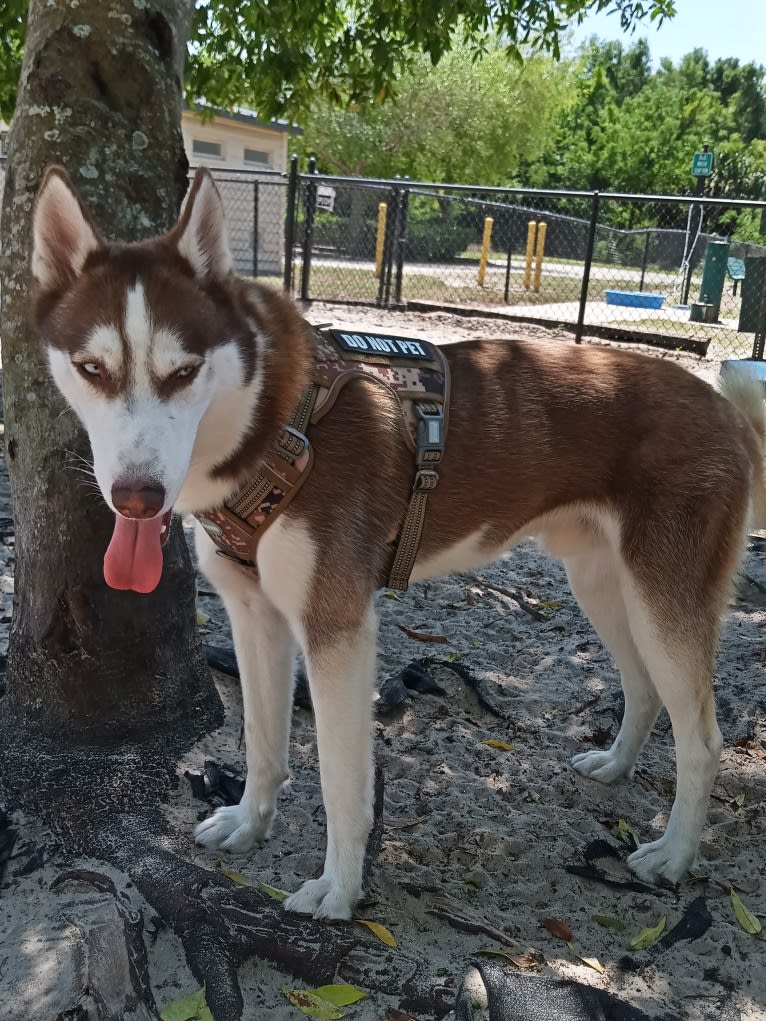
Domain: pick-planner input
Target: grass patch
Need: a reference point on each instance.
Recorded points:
(341, 283)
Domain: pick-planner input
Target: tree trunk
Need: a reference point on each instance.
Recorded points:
(100, 93)
(106, 689)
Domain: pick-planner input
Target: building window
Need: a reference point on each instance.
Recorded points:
(202, 148)
(257, 156)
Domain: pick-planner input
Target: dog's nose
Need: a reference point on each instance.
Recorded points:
(138, 498)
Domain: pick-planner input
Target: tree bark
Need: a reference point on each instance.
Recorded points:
(100, 93)
(106, 689)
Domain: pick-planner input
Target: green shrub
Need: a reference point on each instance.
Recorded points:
(437, 238)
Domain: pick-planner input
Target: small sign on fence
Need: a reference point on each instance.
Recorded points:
(325, 197)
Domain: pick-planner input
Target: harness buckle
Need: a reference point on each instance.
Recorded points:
(429, 436)
(292, 443)
(426, 480)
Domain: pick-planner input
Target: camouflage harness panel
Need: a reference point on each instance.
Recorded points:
(413, 371)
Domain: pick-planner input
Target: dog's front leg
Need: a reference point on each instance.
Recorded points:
(265, 655)
(341, 674)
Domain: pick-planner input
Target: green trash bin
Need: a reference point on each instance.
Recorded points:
(714, 274)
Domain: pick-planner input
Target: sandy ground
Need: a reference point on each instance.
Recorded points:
(473, 832)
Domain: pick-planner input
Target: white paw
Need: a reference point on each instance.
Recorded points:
(663, 859)
(318, 897)
(606, 767)
(232, 828)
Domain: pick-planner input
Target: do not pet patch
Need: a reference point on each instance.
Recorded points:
(381, 344)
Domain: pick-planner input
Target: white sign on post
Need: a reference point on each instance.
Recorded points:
(702, 164)
(325, 197)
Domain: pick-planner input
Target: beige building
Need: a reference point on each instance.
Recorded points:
(234, 141)
(249, 158)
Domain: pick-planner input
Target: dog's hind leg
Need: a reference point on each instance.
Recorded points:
(341, 673)
(265, 656)
(680, 662)
(594, 580)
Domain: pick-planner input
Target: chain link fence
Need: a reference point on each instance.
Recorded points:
(256, 206)
(676, 271)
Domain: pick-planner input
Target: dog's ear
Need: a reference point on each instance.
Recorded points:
(201, 230)
(63, 232)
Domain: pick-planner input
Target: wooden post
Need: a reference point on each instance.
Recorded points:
(485, 244)
(380, 239)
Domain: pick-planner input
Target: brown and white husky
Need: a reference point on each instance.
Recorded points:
(638, 475)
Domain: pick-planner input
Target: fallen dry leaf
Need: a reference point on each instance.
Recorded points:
(524, 961)
(745, 916)
(557, 928)
(234, 875)
(422, 636)
(392, 824)
(609, 922)
(311, 1005)
(384, 935)
(272, 891)
(591, 962)
(650, 935)
(190, 1008)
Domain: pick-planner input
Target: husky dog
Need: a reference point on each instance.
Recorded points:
(641, 477)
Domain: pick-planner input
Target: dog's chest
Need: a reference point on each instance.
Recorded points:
(414, 371)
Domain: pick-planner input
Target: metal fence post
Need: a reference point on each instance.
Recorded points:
(644, 260)
(586, 271)
(384, 284)
(308, 228)
(694, 231)
(507, 291)
(292, 194)
(255, 229)
(401, 243)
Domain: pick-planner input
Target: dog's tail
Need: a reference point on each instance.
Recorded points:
(747, 394)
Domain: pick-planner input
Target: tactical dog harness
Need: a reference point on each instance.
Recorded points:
(414, 371)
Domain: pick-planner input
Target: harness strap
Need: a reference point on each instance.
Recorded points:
(429, 443)
(235, 527)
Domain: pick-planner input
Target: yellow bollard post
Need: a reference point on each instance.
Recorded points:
(531, 234)
(485, 243)
(541, 232)
(380, 238)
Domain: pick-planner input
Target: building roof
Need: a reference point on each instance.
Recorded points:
(242, 115)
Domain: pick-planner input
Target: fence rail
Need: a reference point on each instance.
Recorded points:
(661, 269)
(680, 271)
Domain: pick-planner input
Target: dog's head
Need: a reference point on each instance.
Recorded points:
(144, 341)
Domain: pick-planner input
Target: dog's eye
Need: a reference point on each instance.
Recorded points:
(186, 372)
(89, 368)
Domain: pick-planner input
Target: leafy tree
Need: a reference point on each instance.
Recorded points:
(627, 129)
(467, 119)
(627, 71)
(281, 56)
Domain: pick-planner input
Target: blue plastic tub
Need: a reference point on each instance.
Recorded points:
(755, 368)
(636, 299)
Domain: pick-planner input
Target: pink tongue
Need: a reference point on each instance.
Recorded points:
(134, 558)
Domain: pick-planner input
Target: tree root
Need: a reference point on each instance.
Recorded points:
(220, 924)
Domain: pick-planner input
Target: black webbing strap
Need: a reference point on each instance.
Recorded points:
(429, 442)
